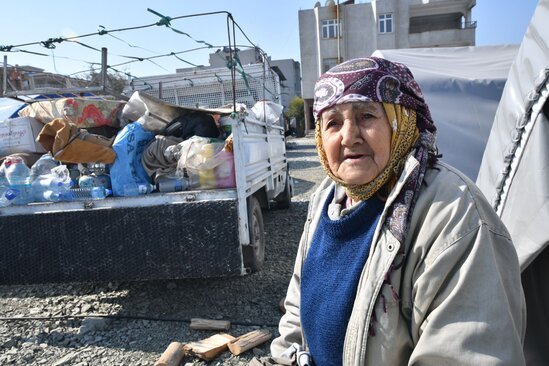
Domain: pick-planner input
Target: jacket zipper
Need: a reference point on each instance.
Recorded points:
(304, 250)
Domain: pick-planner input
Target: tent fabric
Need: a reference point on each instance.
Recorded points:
(462, 86)
(515, 168)
(514, 175)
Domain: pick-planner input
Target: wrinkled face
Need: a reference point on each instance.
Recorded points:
(356, 137)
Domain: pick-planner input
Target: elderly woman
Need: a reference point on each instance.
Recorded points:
(402, 261)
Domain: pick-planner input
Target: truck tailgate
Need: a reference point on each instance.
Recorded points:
(158, 236)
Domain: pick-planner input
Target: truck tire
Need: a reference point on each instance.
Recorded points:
(284, 199)
(253, 255)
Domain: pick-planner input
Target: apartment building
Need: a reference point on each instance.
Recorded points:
(343, 30)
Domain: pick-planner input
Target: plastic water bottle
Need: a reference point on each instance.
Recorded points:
(74, 174)
(16, 171)
(43, 166)
(136, 189)
(95, 193)
(57, 180)
(18, 176)
(50, 182)
(50, 196)
(23, 194)
(102, 179)
(45, 186)
(95, 176)
(168, 183)
(78, 194)
(7, 195)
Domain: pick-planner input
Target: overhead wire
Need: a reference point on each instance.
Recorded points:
(126, 42)
(233, 63)
(50, 41)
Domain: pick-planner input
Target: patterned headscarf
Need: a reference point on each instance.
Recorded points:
(372, 79)
(375, 79)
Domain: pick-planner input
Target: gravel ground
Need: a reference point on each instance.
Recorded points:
(54, 324)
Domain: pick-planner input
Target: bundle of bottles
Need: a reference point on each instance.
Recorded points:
(48, 181)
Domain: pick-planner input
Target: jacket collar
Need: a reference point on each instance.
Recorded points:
(410, 164)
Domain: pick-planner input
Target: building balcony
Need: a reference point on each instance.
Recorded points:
(437, 7)
(444, 38)
(469, 25)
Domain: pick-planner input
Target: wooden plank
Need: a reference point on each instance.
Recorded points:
(248, 341)
(208, 324)
(209, 348)
(172, 356)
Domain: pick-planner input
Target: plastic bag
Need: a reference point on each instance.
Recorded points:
(151, 112)
(42, 166)
(196, 153)
(127, 168)
(268, 111)
(204, 158)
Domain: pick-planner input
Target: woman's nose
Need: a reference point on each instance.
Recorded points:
(350, 133)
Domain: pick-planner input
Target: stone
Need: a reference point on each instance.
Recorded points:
(86, 308)
(92, 324)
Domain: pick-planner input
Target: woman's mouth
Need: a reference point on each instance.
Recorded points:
(353, 156)
(354, 159)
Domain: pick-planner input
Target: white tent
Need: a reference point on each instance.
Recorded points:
(514, 175)
(515, 169)
(462, 86)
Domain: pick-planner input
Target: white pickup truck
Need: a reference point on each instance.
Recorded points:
(188, 234)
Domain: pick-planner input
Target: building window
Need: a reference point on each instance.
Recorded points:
(330, 28)
(385, 23)
(328, 63)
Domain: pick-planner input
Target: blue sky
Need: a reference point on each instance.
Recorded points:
(272, 25)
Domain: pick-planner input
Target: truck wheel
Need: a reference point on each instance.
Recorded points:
(254, 254)
(284, 199)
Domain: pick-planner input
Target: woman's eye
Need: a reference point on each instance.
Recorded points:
(331, 123)
(367, 115)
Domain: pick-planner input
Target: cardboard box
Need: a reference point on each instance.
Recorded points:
(18, 135)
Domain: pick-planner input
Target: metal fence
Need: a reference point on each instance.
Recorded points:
(212, 87)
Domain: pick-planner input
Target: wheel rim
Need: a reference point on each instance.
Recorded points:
(256, 230)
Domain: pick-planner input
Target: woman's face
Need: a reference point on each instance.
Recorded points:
(356, 137)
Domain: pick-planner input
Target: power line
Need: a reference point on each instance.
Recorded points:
(233, 63)
(50, 42)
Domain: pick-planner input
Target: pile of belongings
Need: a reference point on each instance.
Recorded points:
(128, 148)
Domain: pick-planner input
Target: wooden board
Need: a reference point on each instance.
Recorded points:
(172, 356)
(207, 349)
(248, 341)
(208, 324)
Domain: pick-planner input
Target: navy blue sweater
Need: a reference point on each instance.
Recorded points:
(330, 276)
